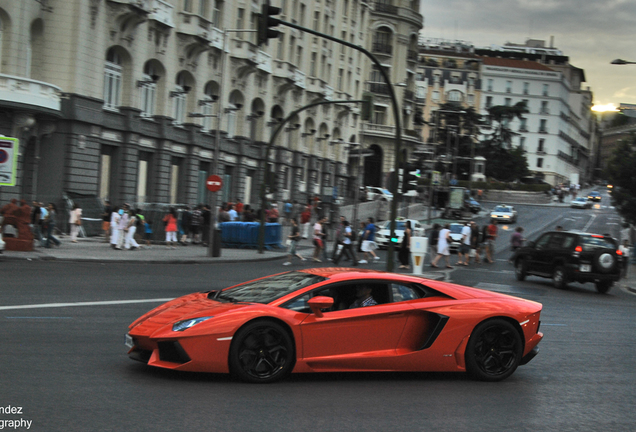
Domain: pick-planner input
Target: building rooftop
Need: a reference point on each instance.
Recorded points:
(512, 63)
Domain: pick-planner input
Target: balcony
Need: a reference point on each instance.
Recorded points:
(29, 94)
(544, 111)
(381, 48)
(543, 131)
(381, 6)
(162, 12)
(378, 88)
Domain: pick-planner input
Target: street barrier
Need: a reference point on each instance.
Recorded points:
(244, 235)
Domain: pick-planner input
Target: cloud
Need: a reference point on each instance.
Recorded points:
(591, 33)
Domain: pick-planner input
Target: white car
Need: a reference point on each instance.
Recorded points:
(581, 202)
(372, 192)
(383, 234)
(1, 241)
(503, 213)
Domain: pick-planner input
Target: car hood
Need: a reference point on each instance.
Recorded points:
(187, 307)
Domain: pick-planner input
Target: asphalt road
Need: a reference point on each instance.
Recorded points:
(67, 368)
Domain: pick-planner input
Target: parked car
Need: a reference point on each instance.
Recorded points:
(571, 256)
(370, 193)
(594, 196)
(307, 321)
(503, 213)
(581, 202)
(472, 205)
(383, 235)
(2, 244)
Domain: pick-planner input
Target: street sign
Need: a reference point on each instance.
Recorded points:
(214, 183)
(436, 178)
(8, 161)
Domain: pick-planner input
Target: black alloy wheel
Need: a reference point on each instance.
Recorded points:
(493, 351)
(261, 352)
(521, 269)
(559, 278)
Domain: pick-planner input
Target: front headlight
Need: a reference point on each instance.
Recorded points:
(186, 324)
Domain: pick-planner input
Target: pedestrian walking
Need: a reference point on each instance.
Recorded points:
(443, 249)
(405, 249)
(122, 226)
(433, 237)
(36, 221)
(75, 221)
(624, 247)
(115, 215)
(305, 217)
(464, 246)
(293, 238)
(347, 243)
(338, 238)
(475, 243)
(106, 220)
(170, 224)
(368, 245)
(131, 228)
(318, 239)
(50, 223)
(491, 236)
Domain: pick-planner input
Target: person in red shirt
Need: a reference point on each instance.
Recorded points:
(239, 209)
(491, 236)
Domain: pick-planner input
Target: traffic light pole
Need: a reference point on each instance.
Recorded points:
(279, 127)
(396, 114)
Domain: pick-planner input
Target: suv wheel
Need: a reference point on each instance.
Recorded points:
(604, 286)
(559, 278)
(521, 269)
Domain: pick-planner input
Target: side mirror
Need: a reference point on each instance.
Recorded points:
(318, 303)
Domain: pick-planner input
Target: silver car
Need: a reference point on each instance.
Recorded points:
(383, 235)
(581, 202)
(503, 213)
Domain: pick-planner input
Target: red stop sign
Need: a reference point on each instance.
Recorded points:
(214, 183)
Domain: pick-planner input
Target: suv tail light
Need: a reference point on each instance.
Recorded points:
(577, 251)
(619, 252)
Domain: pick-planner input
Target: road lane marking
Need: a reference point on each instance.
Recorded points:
(98, 303)
(589, 223)
(28, 317)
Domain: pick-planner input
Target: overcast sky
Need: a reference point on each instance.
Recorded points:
(590, 33)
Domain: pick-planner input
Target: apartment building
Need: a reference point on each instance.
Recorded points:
(100, 94)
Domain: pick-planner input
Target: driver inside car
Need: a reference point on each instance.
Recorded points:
(363, 297)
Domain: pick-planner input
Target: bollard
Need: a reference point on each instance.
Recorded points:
(419, 247)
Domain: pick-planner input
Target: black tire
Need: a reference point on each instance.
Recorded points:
(261, 352)
(521, 269)
(605, 261)
(559, 278)
(604, 286)
(493, 351)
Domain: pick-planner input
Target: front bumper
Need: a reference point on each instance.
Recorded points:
(532, 354)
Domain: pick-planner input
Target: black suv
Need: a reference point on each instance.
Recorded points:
(571, 256)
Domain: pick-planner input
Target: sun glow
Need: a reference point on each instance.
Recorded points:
(604, 108)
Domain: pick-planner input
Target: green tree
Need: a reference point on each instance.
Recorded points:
(621, 173)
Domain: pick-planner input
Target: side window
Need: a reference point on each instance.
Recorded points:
(299, 304)
(556, 241)
(543, 241)
(404, 292)
(568, 242)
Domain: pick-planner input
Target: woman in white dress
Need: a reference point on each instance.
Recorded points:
(75, 221)
(443, 249)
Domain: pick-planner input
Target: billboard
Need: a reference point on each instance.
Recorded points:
(8, 161)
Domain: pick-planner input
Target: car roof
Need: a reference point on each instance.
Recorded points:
(344, 273)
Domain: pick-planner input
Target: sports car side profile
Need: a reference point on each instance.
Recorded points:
(309, 321)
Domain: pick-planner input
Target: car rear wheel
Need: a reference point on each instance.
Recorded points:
(521, 269)
(493, 351)
(559, 278)
(604, 286)
(261, 352)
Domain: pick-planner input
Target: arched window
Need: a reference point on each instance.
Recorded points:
(112, 80)
(211, 94)
(179, 100)
(149, 91)
(454, 96)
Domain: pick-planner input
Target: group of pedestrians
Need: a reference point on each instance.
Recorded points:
(345, 238)
(474, 243)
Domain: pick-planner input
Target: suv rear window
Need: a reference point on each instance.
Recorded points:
(590, 244)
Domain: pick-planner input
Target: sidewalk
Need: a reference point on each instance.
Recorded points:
(93, 249)
(629, 283)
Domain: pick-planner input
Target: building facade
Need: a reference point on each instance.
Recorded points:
(100, 94)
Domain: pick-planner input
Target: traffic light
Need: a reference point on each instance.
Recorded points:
(266, 22)
(410, 179)
(366, 113)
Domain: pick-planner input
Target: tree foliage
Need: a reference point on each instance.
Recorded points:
(621, 173)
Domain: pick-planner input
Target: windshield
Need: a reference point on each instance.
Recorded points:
(398, 225)
(456, 228)
(502, 209)
(386, 192)
(269, 289)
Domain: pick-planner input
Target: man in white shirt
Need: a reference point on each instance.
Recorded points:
(233, 214)
(464, 248)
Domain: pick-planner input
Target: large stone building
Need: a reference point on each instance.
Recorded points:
(99, 93)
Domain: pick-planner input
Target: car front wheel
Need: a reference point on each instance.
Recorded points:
(493, 351)
(261, 352)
